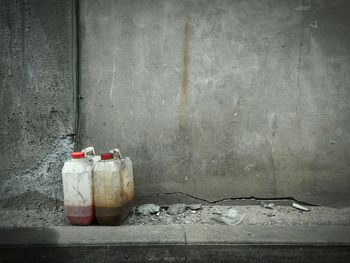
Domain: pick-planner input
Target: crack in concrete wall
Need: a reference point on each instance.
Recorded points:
(244, 199)
(300, 55)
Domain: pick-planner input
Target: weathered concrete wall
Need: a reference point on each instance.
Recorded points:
(222, 99)
(36, 99)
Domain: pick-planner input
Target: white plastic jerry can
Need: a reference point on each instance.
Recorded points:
(78, 189)
(113, 188)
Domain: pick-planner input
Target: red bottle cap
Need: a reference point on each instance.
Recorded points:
(106, 156)
(78, 155)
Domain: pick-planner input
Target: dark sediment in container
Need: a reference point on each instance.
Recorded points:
(80, 215)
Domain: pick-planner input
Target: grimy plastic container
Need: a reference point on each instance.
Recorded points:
(113, 188)
(78, 189)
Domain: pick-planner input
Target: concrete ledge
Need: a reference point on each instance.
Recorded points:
(222, 234)
(176, 243)
(92, 235)
(174, 234)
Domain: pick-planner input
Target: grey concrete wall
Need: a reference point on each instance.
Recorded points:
(221, 99)
(36, 99)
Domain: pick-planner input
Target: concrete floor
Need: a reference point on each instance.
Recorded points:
(176, 243)
(256, 234)
(208, 215)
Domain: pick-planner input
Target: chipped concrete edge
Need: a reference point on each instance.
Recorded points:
(176, 235)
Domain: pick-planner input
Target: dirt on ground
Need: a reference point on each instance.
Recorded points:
(184, 214)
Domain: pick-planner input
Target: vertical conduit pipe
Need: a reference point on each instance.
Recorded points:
(76, 67)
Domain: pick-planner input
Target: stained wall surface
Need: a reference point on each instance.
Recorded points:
(221, 99)
(36, 99)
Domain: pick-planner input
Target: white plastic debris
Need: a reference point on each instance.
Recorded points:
(230, 216)
(300, 207)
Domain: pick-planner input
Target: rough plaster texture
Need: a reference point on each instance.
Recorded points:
(36, 99)
(221, 98)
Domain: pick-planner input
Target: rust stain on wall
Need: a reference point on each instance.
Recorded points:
(184, 139)
(184, 85)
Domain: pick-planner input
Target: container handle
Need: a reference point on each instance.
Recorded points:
(116, 153)
(89, 150)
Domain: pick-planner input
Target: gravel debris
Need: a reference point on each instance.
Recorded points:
(267, 205)
(176, 209)
(207, 215)
(195, 207)
(147, 209)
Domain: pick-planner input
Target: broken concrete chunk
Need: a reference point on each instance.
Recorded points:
(147, 209)
(176, 209)
(267, 205)
(195, 206)
(301, 207)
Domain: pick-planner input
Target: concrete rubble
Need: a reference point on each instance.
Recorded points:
(147, 209)
(176, 209)
(195, 207)
(267, 205)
